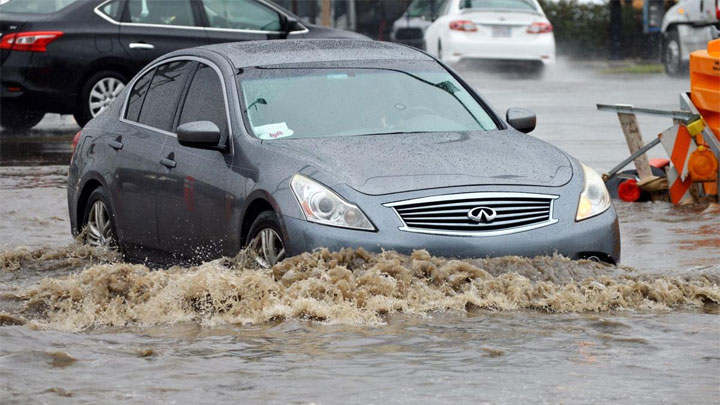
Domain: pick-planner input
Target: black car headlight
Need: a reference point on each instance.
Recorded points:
(321, 205)
(594, 199)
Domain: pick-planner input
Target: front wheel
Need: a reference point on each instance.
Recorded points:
(13, 118)
(99, 221)
(672, 56)
(265, 240)
(100, 90)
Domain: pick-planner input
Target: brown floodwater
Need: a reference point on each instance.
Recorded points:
(79, 325)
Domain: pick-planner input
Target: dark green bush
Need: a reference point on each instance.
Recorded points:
(583, 30)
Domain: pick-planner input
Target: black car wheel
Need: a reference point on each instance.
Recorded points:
(672, 56)
(19, 119)
(265, 240)
(100, 90)
(99, 221)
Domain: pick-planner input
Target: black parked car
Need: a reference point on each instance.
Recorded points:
(75, 56)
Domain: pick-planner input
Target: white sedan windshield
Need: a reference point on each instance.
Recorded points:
(306, 103)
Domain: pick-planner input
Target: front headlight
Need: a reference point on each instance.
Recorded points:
(323, 206)
(594, 198)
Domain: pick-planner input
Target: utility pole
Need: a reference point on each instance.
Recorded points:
(351, 16)
(326, 12)
(615, 29)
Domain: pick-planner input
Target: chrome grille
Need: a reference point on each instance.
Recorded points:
(448, 214)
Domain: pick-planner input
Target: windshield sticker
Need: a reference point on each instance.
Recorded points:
(273, 131)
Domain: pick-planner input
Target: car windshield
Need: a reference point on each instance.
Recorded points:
(520, 5)
(35, 6)
(309, 103)
(425, 8)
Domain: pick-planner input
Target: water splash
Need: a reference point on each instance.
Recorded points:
(350, 287)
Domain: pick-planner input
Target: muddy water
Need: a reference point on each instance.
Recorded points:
(79, 325)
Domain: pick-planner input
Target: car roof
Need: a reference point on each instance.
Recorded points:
(296, 51)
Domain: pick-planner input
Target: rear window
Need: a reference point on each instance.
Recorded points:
(35, 6)
(112, 9)
(524, 5)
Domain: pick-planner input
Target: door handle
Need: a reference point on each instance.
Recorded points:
(169, 163)
(141, 45)
(116, 144)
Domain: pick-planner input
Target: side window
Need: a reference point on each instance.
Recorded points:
(241, 15)
(112, 10)
(161, 101)
(161, 12)
(205, 100)
(137, 95)
(444, 9)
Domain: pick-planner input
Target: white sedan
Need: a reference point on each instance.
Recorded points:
(492, 29)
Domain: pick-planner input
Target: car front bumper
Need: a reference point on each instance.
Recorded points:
(595, 237)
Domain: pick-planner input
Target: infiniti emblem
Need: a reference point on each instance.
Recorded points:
(482, 214)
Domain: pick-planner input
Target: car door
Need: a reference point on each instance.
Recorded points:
(152, 28)
(136, 153)
(149, 117)
(240, 20)
(193, 204)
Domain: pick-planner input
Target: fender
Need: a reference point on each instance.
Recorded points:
(113, 63)
(673, 17)
(240, 217)
(79, 192)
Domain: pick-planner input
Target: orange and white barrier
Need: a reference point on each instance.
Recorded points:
(679, 145)
(693, 144)
(679, 189)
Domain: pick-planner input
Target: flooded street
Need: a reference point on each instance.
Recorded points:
(353, 327)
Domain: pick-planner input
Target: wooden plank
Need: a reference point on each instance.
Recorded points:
(633, 137)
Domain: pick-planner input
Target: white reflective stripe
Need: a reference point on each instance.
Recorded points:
(670, 140)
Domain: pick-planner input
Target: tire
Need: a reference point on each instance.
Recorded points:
(100, 89)
(18, 119)
(672, 54)
(99, 228)
(267, 254)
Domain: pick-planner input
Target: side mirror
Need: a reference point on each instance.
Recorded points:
(521, 119)
(199, 134)
(291, 24)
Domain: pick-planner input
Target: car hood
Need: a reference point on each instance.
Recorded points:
(384, 164)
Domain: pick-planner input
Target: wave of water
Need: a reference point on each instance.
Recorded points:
(349, 286)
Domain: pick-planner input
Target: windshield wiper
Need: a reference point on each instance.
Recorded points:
(255, 103)
(446, 86)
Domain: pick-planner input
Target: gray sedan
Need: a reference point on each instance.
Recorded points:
(284, 147)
